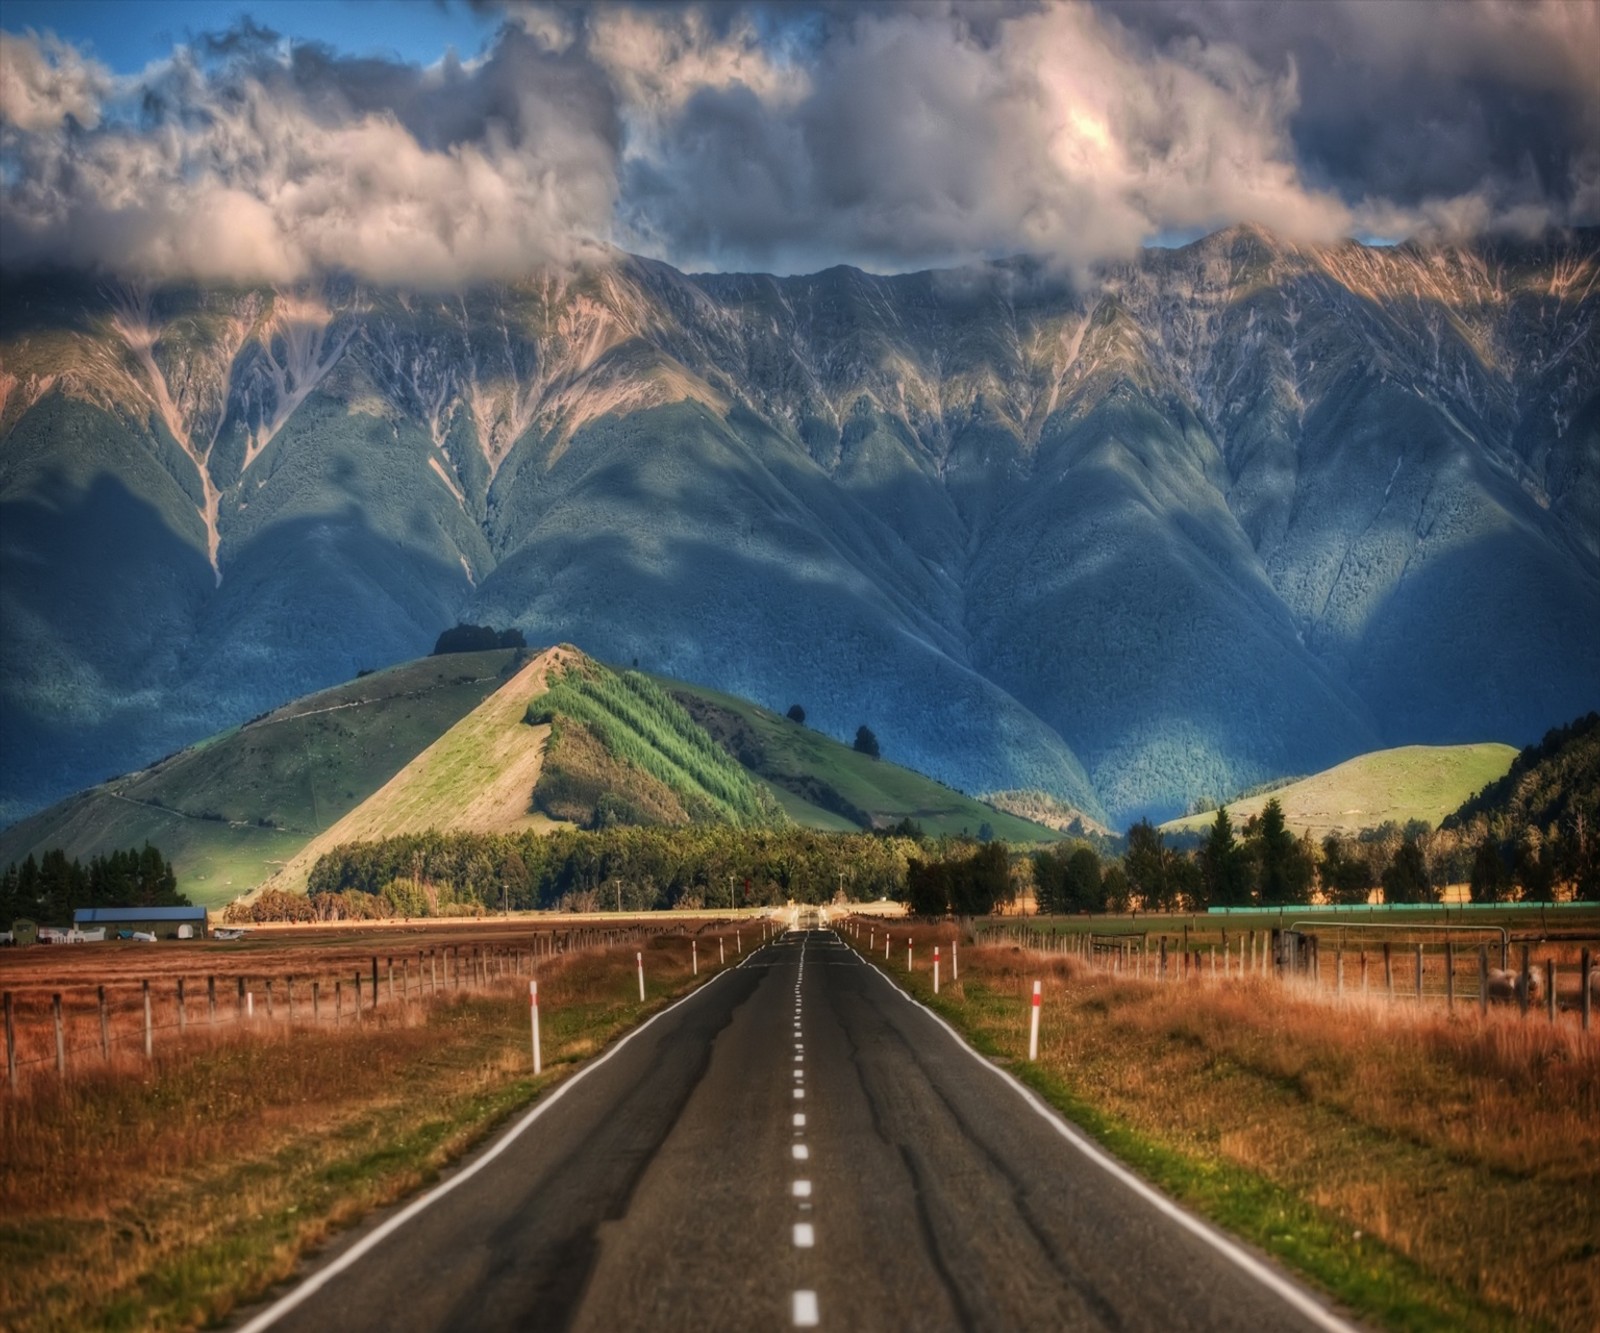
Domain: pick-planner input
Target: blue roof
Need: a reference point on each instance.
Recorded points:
(90, 916)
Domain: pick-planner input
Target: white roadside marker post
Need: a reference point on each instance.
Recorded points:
(955, 960)
(722, 957)
(639, 958)
(886, 946)
(908, 955)
(533, 1009)
(694, 956)
(1033, 1027)
(738, 944)
(935, 969)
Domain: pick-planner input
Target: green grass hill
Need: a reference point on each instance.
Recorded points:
(236, 807)
(451, 742)
(824, 784)
(1425, 782)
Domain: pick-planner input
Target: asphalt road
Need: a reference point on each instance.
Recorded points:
(796, 1144)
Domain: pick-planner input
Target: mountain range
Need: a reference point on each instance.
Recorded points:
(1128, 539)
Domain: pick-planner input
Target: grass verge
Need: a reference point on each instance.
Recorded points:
(1427, 1173)
(165, 1198)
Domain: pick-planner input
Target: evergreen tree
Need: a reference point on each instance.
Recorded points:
(797, 714)
(1146, 866)
(1406, 879)
(866, 743)
(1083, 883)
(1346, 876)
(1222, 871)
(1285, 869)
(1491, 880)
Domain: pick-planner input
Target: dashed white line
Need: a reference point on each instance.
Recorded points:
(805, 1309)
(799, 1119)
(799, 1094)
(804, 1236)
(802, 1189)
(801, 1152)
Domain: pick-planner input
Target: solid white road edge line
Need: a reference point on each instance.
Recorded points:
(1229, 1249)
(292, 1299)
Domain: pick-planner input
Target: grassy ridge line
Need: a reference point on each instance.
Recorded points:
(477, 777)
(166, 1200)
(884, 790)
(1425, 782)
(639, 724)
(1372, 1278)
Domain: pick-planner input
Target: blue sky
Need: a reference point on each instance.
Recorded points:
(128, 34)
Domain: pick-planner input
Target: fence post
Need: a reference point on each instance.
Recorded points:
(1033, 1026)
(61, 1038)
(288, 985)
(338, 1003)
(358, 995)
(1550, 988)
(1483, 979)
(533, 1007)
(183, 1012)
(1524, 983)
(391, 981)
(1584, 1003)
(1419, 974)
(316, 1001)
(10, 1044)
(149, 1034)
(1162, 975)
(1363, 974)
(1388, 970)
(269, 999)
(105, 1027)
(433, 973)
(375, 983)
(211, 1000)
(241, 1006)
(1449, 975)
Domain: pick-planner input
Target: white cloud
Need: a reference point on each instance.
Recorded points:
(44, 80)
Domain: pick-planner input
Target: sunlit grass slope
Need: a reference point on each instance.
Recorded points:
(625, 751)
(232, 809)
(476, 778)
(822, 783)
(1425, 782)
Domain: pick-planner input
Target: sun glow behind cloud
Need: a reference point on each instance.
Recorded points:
(794, 136)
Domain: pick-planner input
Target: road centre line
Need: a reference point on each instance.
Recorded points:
(805, 1309)
(1225, 1246)
(805, 1235)
(316, 1281)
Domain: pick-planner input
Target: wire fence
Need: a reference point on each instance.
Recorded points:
(59, 1030)
(1461, 968)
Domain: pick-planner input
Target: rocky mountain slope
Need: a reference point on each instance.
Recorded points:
(1231, 511)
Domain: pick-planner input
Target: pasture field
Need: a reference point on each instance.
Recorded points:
(1425, 782)
(163, 1194)
(1429, 1169)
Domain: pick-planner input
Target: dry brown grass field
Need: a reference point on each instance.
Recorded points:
(1431, 1168)
(162, 1193)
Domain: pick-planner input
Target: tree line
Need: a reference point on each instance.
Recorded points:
(696, 867)
(48, 890)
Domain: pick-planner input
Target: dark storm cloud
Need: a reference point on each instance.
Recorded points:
(1484, 109)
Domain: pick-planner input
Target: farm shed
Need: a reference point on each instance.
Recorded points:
(24, 931)
(165, 923)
